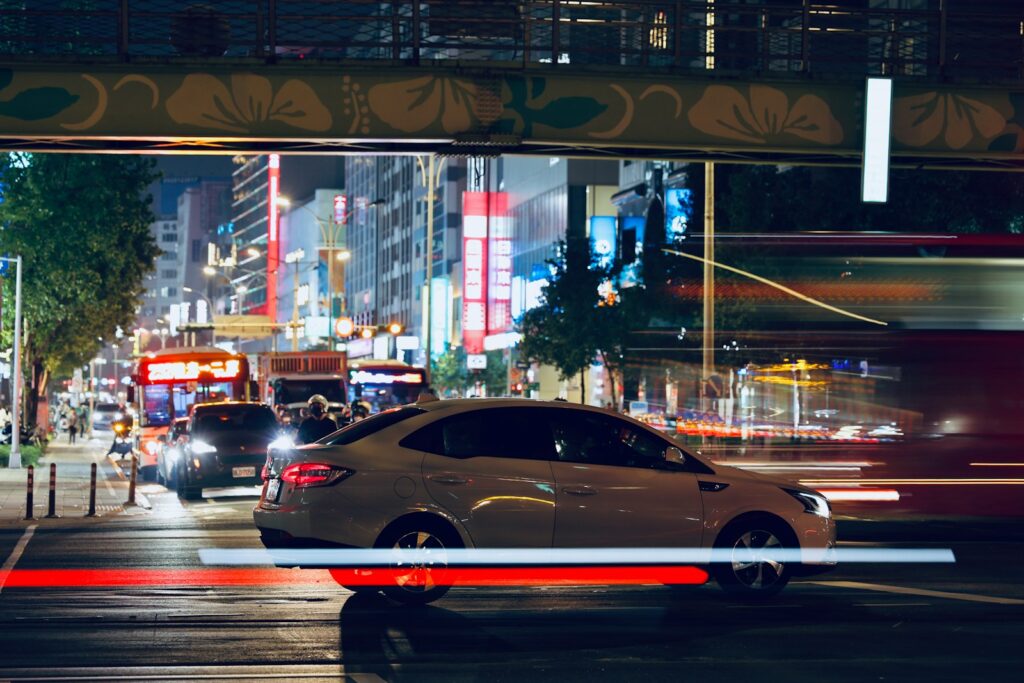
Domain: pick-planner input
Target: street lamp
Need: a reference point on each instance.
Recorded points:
(329, 238)
(430, 174)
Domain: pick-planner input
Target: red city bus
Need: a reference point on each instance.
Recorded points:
(167, 383)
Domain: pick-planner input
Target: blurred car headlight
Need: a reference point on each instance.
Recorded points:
(202, 447)
(152, 447)
(282, 442)
(814, 503)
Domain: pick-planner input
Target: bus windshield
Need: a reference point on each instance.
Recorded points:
(161, 403)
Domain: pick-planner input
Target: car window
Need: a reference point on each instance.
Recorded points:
(371, 425)
(520, 433)
(255, 419)
(604, 440)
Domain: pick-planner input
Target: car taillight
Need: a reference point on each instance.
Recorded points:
(306, 474)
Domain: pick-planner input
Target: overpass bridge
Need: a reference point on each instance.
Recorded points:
(769, 81)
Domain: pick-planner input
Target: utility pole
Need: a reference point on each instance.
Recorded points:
(430, 173)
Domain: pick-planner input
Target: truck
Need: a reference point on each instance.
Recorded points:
(288, 379)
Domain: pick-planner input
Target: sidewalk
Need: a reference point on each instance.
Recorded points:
(72, 491)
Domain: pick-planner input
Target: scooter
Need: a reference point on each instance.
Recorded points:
(122, 441)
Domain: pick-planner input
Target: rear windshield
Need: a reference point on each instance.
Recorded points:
(371, 425)
(254, 419)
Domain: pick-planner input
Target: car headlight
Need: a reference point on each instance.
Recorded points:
(202, 447)
(152, 447)
(282, 442)
(814, 503)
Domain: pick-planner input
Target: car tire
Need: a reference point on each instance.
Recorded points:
(753, 578)
(186, 492)
(425, 581)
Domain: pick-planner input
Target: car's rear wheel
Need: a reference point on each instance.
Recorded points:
(424, 577)
(753, 568)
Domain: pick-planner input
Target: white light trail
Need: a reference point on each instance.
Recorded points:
(368, 557)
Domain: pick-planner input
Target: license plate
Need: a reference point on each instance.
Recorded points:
(273, 488)
(240, 472)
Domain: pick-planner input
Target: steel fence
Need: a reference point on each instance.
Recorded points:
(761, 37)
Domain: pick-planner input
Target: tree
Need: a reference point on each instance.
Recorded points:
(563, 331)
(449, 372)
(81, 222)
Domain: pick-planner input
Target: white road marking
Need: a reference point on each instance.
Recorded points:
(15, 555)
(923, 592)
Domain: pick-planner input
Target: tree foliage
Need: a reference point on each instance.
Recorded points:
(449, 373)
(81, 224)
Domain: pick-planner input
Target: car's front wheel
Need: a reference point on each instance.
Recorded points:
(749, 564)
(186, 492)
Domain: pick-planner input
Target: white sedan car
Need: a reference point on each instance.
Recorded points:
(529, 475)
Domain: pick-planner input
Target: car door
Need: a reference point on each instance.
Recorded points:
(614, 487)
(491, 468)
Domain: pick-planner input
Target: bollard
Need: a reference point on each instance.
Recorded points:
(92, 491)
(28, 493)
(131, 480)
(52, 508)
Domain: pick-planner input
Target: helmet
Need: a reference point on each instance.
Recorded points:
(317, 398)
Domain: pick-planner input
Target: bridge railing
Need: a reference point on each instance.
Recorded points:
(802, 37)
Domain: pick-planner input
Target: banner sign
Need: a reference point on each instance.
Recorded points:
(474, 271)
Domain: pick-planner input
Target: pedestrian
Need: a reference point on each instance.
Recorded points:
(72, 425)
(427, 395)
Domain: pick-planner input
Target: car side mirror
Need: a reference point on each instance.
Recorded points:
(674, 455)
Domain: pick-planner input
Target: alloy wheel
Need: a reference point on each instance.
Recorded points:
(753, 564)
(419, 574)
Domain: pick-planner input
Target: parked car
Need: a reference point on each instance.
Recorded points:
(497, 473)
(170, 457)
(226, 445)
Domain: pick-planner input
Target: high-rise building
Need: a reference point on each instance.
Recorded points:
(386, 275)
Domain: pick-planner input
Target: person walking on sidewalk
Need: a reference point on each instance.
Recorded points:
(72, 425)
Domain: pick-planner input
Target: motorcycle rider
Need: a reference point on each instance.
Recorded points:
(319, 423)
(122, 428)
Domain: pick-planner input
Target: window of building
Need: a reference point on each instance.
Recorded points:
(197, 251)
(168, 237)
(168, 273)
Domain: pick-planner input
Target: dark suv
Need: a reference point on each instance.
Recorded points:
(226, 446)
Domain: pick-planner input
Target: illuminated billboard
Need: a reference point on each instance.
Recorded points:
(474, 271)
(273, 261)
(678, 213)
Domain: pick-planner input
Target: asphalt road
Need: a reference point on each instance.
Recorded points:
(863, 622)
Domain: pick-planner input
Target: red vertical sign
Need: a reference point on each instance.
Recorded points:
(499, 280)
(474, 271)
(273, 257)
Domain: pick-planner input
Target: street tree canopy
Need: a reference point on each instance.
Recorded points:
(81, 224)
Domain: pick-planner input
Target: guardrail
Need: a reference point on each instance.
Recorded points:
(766, 37)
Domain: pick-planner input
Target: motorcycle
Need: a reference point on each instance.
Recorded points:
(122, 445)
(27, 436)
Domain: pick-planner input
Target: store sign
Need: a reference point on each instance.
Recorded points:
(381, 377)
(476, 362)
(499, 234)
(340, 209)
(474, 271)
(186, 371)
(273, 216)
